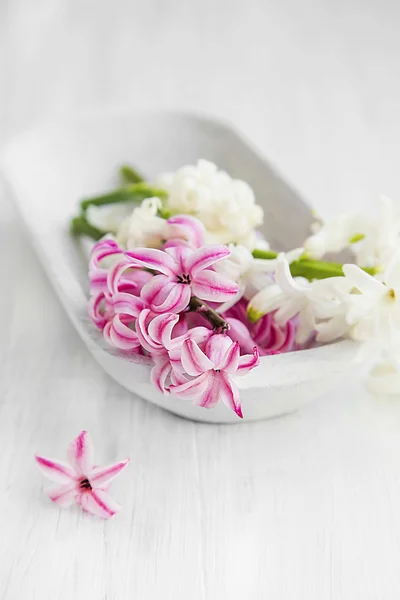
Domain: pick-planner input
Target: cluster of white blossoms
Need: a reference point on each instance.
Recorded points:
(143, 227)
(370, 239)
(225, 206)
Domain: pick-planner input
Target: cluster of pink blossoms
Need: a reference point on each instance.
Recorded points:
(163, 303)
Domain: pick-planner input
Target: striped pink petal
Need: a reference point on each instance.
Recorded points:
(99, 503)
(116, 272)
(120, 335)
(96, 310)
(159, 373)
(216, 347)
(176, 300)
(187, 228)
(153, 259)
(80, 454)
(127, 304)
(248, 362)
(211, 395)
(142, 331)
(156, 290)
(239, 332)
(177, 378)
(101, 250)
(211, 286)
(193, 388)
(160, 328)
(55, 470)
(101, 475)
(64, 495)
(230, 360)
(205, 257)
(229, 394)
(194, 361)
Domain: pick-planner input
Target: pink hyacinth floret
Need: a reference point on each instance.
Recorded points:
(269, 337)
(183, 272)
(211, 372)
(80, 481)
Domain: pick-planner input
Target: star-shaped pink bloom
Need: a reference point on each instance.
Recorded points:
(81, 482)
(183, 272)
(212, 371)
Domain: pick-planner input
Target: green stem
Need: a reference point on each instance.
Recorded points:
(134, 192)
(81, 226)
(130, 175)
(311, 269)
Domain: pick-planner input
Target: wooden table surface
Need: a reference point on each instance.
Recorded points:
(302, 507)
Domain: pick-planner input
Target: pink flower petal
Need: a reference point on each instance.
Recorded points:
(101, 475)
(95, 310)
(211, 395)
(213, 287)
(103, 249)
(229, 394)
(115, 273)
(80, 454)
(120, 335)
(230, 360)
(248, 362)
(127, 304)
(160, 328)
(238, 332)
(64, 495)
(142, 331)
(188, 228)
(153, 259)
(194, 361)
(55, 470)
(205, 257)
(193, 388)
(180, 255)
(216, 347)
(99, 503)
(177, 299)
(156, 290)
(159, 373)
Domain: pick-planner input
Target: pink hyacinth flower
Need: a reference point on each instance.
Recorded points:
(81, 482)
(183, 273)
(102, 253)
(162, 336)
(211, 371)
(266, 334)
(184, 230)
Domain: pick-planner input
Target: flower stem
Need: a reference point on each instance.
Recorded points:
(219, 324)
(81, 226)
(311, 269)
(130, 175)
(134, 192)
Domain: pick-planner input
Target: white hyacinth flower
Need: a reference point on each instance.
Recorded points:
(335, 235)
(382, 236)
(370, 239)
(290, 296)
(226, 206)
(374, 310)
(143, 227)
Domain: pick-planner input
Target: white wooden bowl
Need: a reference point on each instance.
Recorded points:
(49, 168)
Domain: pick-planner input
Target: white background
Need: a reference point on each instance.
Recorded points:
(304, 507)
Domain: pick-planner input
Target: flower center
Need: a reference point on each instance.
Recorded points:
(391, 294)
(85, 484)
(184, 279)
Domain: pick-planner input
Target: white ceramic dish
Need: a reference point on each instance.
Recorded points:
(51, 167)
